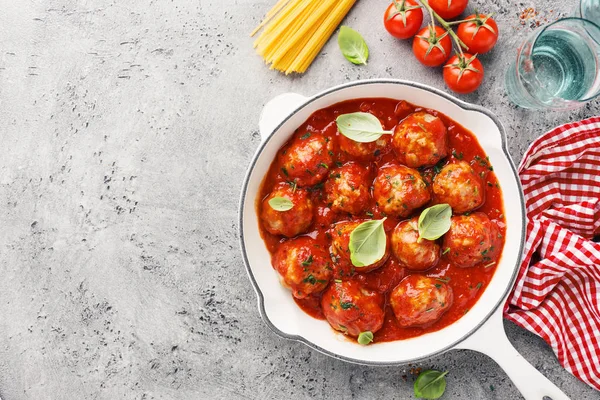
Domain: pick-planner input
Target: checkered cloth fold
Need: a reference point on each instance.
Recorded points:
(557, 293)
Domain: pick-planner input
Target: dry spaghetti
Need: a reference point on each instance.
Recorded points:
(294, 31)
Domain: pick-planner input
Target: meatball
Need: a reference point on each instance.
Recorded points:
(303, 265)
(340, 251)
(458, 185)
(351, 308)
(307, 159)
(348, 189)
(398, 190)
(420, 301)
(414, 255)
(472, 239)
(292, 222)
(364, 151)
(420, 140)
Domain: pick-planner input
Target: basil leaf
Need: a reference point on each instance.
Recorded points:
(365, 337)
(434, 221)
(353, 46)
(430, 384)
(281, 204)
(367, 243)
(361, 127)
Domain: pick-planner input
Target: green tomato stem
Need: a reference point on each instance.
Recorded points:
(451, 23)
(460, 44)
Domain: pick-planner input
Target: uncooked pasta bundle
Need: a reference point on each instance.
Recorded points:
(296, 30)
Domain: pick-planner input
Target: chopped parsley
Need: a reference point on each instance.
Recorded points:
(312, 280)
(438, 167)
(347, 305)
(308, 261)
(305, 136)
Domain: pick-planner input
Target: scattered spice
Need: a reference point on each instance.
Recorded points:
(531, 17)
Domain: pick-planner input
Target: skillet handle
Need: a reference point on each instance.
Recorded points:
(490, 339)
(276, 110)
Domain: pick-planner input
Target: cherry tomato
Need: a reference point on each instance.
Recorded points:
(403, 18)
(480, 34)
(448, 9)
(463, 73)
(432, 46)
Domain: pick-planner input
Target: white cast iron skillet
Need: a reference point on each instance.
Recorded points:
(480, 329)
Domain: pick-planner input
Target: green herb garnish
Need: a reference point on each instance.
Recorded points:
(367, 243)
(434, 222)
(281, 204)
(361, 127)
(430, 384)
(353, 46)
(365, 338)
(308, 261)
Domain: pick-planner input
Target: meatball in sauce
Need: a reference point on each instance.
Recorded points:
(364, 151)
(292, 222)
(420, 300)
(340, 251)
(351, 308)
(413, 254)
(303, 265)
(458, 185)
(347, 189)
(399, 190)
(307, 159)
(472, 239)
(420, 140)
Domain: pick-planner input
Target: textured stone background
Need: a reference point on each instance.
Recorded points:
(126, 127)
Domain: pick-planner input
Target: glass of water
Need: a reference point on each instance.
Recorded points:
(589, 9)
(557, 67)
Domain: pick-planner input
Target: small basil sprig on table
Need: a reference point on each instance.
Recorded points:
(281, 204)
(361, 127)
(353, 46)
(430, 384)
(434, 222)
(367, 243)
(365, 338)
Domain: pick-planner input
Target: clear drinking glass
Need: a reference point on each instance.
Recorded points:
(557, 67)
(589, 9)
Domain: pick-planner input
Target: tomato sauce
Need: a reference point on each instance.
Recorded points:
(467, 283)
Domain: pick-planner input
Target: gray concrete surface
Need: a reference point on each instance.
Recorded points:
(126, 128)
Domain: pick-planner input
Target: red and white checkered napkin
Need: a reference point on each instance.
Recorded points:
(557, 293)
